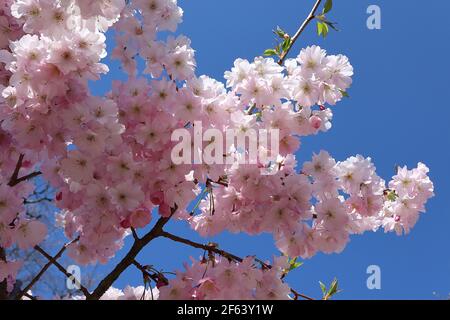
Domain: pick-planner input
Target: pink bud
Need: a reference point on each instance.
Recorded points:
(125, 223)
(26, 164)
(315, 122)
(157, 198)
(59, 196)
(140, 218)
(161, 283)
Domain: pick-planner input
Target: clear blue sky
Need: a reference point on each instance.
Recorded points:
(397, 114)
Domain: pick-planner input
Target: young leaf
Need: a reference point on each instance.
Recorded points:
(327, 294)
(294, 264)
(333, 288)
(319, 28)
(286, 44)
(325, 30)
(280, 32)
(332, 25)
(270, 52)
(323, 287)
(344, 94)
(328, 6)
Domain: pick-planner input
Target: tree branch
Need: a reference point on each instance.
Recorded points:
(16, 170)
(26, 201)
(15, 180)
(138, 245)
(305, 23)
(207, 247)
(155, 277)
(63, 270)
(296, 295)
(29, 296)
(25, 178)
(44, 269)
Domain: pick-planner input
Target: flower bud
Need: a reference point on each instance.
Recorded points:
(315, 122)
(157, 198)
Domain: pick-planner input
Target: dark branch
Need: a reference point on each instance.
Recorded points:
(138, 245)
(207, 247)
(25, 178)
(26, 201)
(15, 180)
(63, 270)
(16, 170)
(44, 269)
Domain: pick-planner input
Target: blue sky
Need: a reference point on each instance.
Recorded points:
(397, 115)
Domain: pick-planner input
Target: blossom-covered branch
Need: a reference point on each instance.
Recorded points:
(213, 248)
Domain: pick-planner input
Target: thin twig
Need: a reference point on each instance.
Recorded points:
(26, 201)
(138, 245)
(15, 180)
(297, 294)
(155, 277)
(29, 296)
(63, 270)
(25, 178)
(15, 174)
(44, 269)
(207, 247)
(305, 23)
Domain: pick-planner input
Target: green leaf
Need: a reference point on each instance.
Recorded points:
(278, 49)
(333, 288)
(280, 32)
(327, 294)
(294, 264)
(328, 6)
(332, 25)
(344, 94)
(325, 30)
(324, 288)
(286, 44)
(270, 52)
(322, 29)
(319, 28)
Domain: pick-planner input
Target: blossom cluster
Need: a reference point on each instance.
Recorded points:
(318, 208)
(214, 278)
(221, 279)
